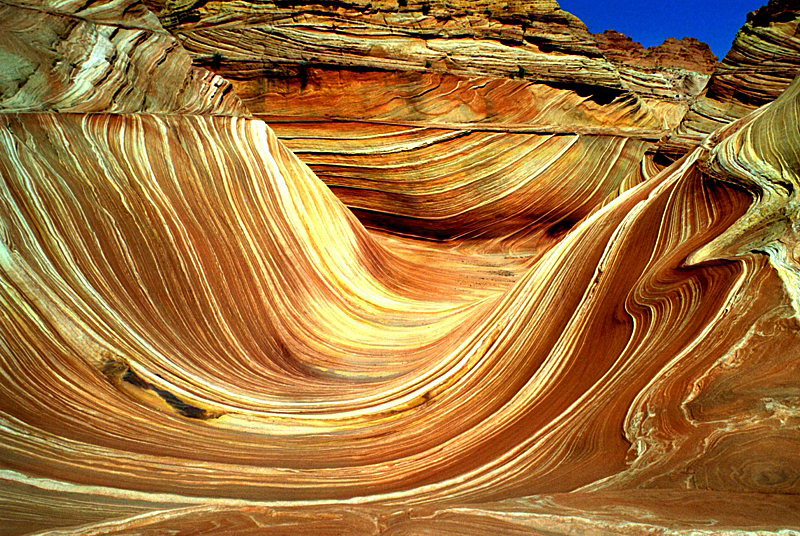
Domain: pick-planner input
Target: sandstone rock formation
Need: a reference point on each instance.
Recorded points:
(115, 57)
(676, 70)
(305, 59)
(445, 89)
(688, 53)
(197, 335)
(764, 59)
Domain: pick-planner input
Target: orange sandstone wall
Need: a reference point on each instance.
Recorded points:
(530, 327)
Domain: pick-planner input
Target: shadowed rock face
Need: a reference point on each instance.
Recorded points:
(538, 330)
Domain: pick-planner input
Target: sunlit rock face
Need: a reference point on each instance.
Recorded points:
(412, 53)
(538, 330)
(674, 72)
(764, 59)
(112, 57)
(688, 54)
(473, 109)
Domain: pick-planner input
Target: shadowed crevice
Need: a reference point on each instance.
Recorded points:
(184, 409)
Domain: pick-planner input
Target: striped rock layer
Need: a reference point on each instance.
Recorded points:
(429, 119)
(73, 57)
(764, 59)
(538, 330)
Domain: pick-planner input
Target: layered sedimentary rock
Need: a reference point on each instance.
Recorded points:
(674, 72)
(472, 38)
(444, 87)
(512, 191)
(198, 335)
(764, 59)
(261, 346)
(688, 53)
(268, 48)
(111, 57)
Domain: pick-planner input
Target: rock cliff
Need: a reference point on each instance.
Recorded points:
(495, 313)
(299, 60)
(688, 53)
(764, 59)
(675, 71)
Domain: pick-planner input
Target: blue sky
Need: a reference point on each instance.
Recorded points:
(651, 21)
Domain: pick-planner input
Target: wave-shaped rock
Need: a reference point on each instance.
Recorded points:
(197, 335)
(198, 320)
(520, 190)
(426, 119)
(764, 59)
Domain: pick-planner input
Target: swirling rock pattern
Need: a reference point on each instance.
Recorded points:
(429, 120)
(101, 57)
(512, 191)
(764, 59)
(463, 56)
(198, 336)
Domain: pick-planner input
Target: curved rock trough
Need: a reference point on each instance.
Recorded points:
(336, 268)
